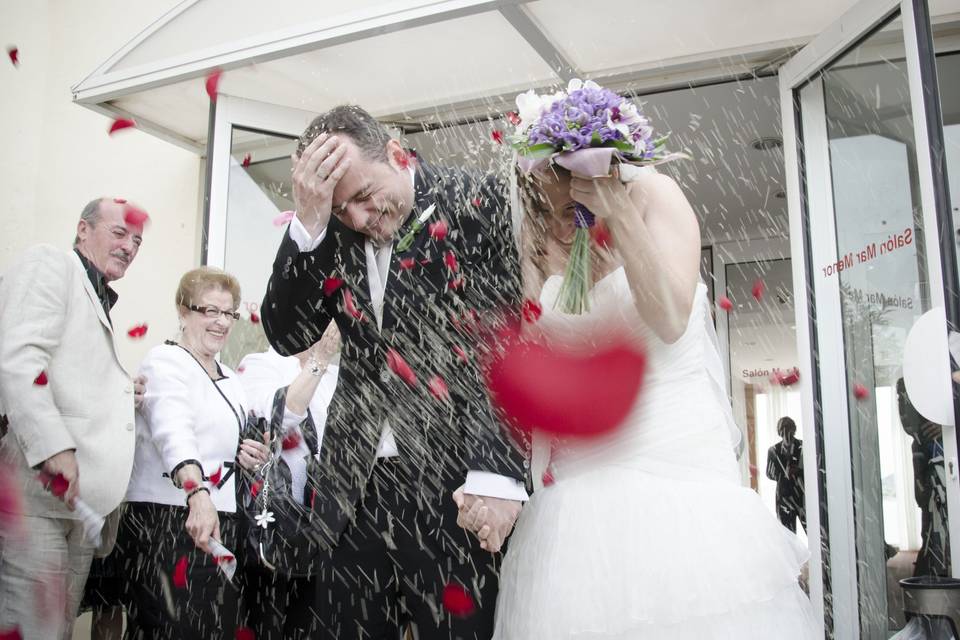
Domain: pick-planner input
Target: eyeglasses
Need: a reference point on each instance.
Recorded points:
(213, 312)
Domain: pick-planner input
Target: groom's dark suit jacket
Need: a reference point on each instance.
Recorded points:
(426, 319)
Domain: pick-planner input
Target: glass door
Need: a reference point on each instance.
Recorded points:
(866, 222)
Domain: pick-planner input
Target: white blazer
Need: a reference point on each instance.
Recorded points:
(51, 320)
(186, 416)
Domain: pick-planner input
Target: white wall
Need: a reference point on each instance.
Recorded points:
(55, 156)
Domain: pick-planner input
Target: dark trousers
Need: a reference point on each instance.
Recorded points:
(278, 607)
(391, 566)
(790, 508)
(153, 540)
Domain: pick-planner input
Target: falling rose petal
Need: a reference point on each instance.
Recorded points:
(291, 440)
(14, 54)
(725, 303)
(457, 349)
(212, 84)
(547, 478)
(438, 230)
(224, 558)
(247, 158)
(456, 284)
(497, 136)
(254, 318)
(180, 573)
(11, 634)
(600, 234)
(189, 485)
(571, 394)
(450, 259)
(135, 217)
(244, 633)
(41, 380)
(457, 601)
(215, 477)
(531, 311)
(137, 331)
(283, 218)
(438, 388)
(120, 200)
(513, 118)
(403, 159)
(241, 369)
(331, 284)
(120, 124)
(255, 488)
(406, 264)
(55, 484)
(11, 501)
(476, 202)
(400, 367)
(860, 392)
(787, 378)
(350, 306)
(758, 288)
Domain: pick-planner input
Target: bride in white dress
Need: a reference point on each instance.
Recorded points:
(645, 534)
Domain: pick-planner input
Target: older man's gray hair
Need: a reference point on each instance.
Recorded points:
(90, 214)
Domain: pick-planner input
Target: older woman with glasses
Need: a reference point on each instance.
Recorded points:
(182, 495)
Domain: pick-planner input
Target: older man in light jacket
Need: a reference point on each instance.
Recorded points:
(69, 407)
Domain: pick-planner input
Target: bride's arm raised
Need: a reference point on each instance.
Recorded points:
(655, 230)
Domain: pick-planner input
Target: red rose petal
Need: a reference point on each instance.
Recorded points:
(457, 349)
(400, 367)
(215, 478)
(725, 303)
(406, 264)
(457, 601)
(137, 331)
(547, 478)
(331, 284)
(450, 259)
(189, 485)
(14, 55)
(531, 311)
(41, 380)
(787, 378)
(600, 234)
(572, 394)
(513, 118)
(135, 217)
(497, 136)
(291, 440)
(241, 369)
(758, 289)
(283, 218)
(120, 200)
(438, 388)
(255, 488)
(180, 573)
(11, 501)
(456, 284)
(350, 306)
(244, 633)
(247, 158)
(224, 558)
(212, 83)
(402, 159)
(438, 230)
(254, 318)
(476, 202)
(11, 634)
(860, 392)
(55, 484)
(120, 124)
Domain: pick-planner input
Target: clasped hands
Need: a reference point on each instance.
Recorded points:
(491, 519)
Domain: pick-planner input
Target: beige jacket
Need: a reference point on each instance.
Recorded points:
(51, 320)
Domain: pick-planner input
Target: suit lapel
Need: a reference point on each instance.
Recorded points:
(94, 299)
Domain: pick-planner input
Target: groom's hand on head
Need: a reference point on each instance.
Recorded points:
(316, 173)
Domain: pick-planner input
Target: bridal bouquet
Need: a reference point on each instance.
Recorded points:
(585, 129)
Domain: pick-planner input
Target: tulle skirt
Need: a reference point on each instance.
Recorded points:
(620, 553)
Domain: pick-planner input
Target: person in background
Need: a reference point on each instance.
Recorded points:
(182, 495)
(311, 378)
(67, 404)
(785, 467)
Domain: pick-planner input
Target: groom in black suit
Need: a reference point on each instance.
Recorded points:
(410, 422)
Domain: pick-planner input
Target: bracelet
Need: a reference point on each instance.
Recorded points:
(195, 492)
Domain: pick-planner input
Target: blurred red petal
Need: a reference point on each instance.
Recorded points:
(137, 331)
(135, 217)
(476, 202)
(547, 478)
(223, 558)
(14, 54)
(456, 284)
(11, 502)
(180, 573)
(215, 477)
(55, 484)
(255, 488)
(438, 388)
(241, 369)
(457, 349)
(601, 235)
(497, 136)
(403, 159)
(457, 601)
(244, 633)
(189, 485)
(438, 230)
(41, 380)
(725, 303)
(331, 284)
(120, 200)
(120, 124)
(407, 264)
(572, 394)
(291, 440)
(212, 83)
(450, 259)
(254, 318)
(531, 311)
(513, 118)
(283, 218)
(11, 634)
(350, 306)
(758, 289)
(860, 392)
(787, 378)
(247, 158)
(400, 367)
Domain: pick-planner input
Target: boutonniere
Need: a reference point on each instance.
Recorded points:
(407, 238)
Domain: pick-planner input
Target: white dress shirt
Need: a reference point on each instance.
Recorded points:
(184, 417)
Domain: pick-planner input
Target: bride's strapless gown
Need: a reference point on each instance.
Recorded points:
(648, 534)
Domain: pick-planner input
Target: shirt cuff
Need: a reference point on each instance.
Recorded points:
(493, 485)
(291, 420)
(298, 233)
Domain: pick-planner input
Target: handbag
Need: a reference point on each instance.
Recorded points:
(279, 527)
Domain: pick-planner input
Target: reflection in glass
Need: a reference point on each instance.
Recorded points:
(884, 289)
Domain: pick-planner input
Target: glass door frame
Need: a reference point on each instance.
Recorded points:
(818, 306)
